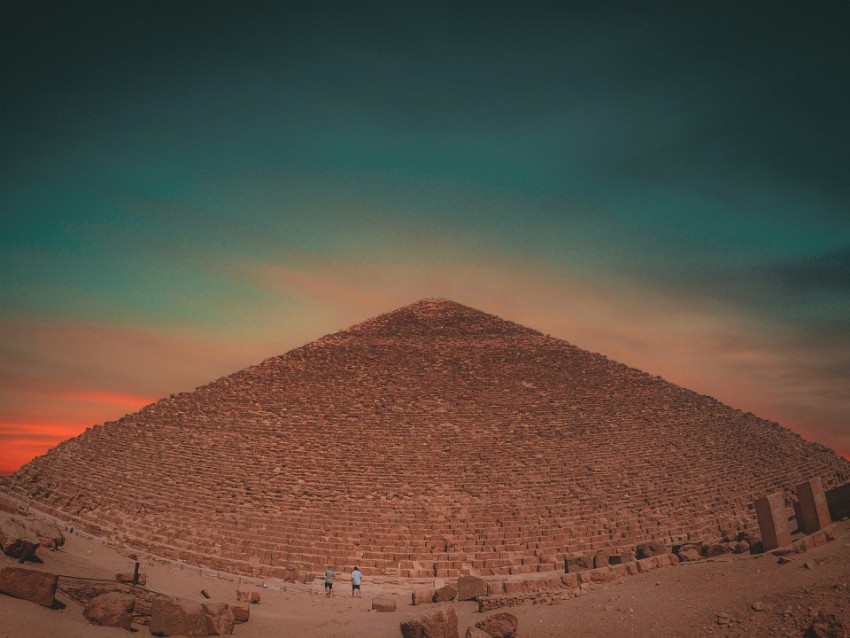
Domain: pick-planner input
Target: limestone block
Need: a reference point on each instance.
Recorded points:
(444, 594)
(49, 534)
(814, 511)
(470, 588)
(28, 584)
(773, 522)
(501, 625)
(113, 609)
(16, 540)
(421, 596)
(220, 618)
(176, 617)
(440, 624)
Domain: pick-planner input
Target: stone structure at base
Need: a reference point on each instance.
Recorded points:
(773, 521)
(814, 511)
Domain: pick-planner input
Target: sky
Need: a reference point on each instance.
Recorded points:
(189, 188)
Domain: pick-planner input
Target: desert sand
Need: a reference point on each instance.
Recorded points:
(710, 597)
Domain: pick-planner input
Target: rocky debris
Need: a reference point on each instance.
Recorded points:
(384, 604)
(177, 617)
(650, 549)
(827, 625)
(501, 625)
(722, 618)
(220, 618)
(422, 596)
(757, 606)
(440, 624)
(114, 609)
(252, 597)
(470, 588)
(241, 611)
(128, 578)
(784, 560)
(28, 584)
(475, 632)
(16, 539)
(445, 594)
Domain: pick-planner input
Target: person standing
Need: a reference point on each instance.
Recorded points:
(356, 576)
(329, 581)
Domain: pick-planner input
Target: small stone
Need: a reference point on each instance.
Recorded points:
(783, 560)
(722, 618)
(757, 606)
(808, 565)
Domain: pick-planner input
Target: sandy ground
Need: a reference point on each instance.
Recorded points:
(677, 601)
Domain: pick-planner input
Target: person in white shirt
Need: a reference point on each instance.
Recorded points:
(356, 576)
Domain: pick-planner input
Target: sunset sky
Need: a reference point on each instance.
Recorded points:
(189, 188)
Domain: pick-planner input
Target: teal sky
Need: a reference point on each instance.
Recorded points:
(664, 183)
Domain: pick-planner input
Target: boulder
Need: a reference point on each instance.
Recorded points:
(440, 624)
(384, 604)
(113, 609)
(49, 534)
(16, 539)
(470, 588)
(177, 617)
(689, 553)
(444, 594)
(28, 584)
(648, 550)
(220, 618)
(241, 611)
(501, 625)
(421, 596)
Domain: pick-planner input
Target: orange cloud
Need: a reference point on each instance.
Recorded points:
(24, 441)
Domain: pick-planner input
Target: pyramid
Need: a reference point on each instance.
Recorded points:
(435, 440)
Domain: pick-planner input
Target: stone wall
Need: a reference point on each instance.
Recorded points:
(432, 441)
